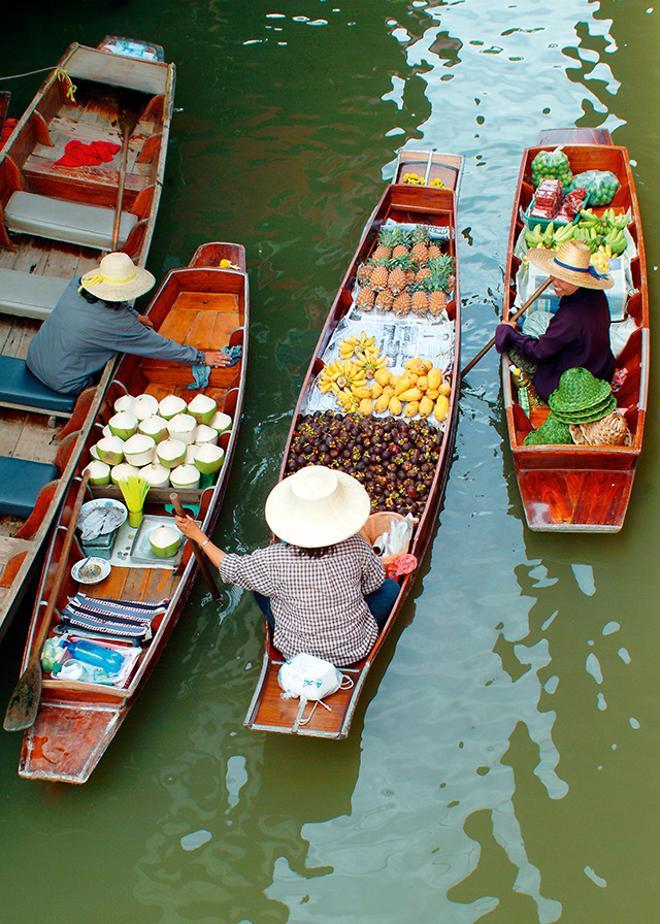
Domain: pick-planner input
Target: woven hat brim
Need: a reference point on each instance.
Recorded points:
(588, 416)
(124, 292)
(544, 260)
(557, 402)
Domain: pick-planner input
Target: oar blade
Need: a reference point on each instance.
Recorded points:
(24, 702)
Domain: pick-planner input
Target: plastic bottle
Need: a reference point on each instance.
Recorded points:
(96, 655)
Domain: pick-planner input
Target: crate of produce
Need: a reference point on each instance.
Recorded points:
(533, 220)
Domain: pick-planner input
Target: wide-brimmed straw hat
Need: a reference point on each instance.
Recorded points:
(570, 262)
(117, 279)
(317, 506)
(581, 397)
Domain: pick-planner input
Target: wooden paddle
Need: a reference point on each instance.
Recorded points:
(127, 121)
(202, 560)
(24, 701)
(530, 301)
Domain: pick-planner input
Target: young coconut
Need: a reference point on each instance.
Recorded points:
(171, 453)
(202, 408)
(221, 422)
(145, 406)
(156, 474)
(209, 459)
(165, 541)
(155, 427)
(94, 453)
(123, 425)
(106, 431)
(125, 403)
(122, 472)
(110, 450)
(170, 406)
(205, 435)
(99, 472)
(139, 450)
(185, 476)
(183, 427)
(191, 452)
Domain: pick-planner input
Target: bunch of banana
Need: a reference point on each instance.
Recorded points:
(616, 240)
(347, 401)
(349, 346)
(370, 360)
(601, 258)
(340, 375)
(538, 238)
(562, 234)
(618, 222)
(588, 235)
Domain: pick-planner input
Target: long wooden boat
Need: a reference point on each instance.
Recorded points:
(407, 204)
(207, 307)
(55, 222)
(583, 488)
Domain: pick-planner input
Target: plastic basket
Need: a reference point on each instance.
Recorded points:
(544, 222)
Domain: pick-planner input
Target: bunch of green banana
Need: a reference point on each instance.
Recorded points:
(562, 234)
(534, 238)
(616, 240)
(588, 235)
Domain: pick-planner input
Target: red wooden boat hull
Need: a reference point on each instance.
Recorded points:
(580, 488)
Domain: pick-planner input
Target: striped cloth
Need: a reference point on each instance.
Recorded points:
(120, 618)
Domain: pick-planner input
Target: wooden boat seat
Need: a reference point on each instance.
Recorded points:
(20, 389)
(28, 295)
(20, 484)
(62, 220)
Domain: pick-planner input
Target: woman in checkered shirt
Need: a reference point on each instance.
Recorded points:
(321, 588)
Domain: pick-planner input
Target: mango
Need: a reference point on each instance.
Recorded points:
(412, 408)
(425, 406)
(441, 408)
(422, 383)
(435, 379)
(445, 389)
(383, 376)
(376, 390)
(382, 404)
(389, 391)
(403, 384)
(366, 406)
(433, 394)
(411, 394)
(395, 406)
(362, 391)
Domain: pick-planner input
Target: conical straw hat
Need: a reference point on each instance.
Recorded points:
(571, 261)
(317, 506)
(118, 279)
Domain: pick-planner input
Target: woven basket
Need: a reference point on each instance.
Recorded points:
(608, 431)
(376, 525)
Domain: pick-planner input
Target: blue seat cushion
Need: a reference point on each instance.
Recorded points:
(19, 386)
(20, 483)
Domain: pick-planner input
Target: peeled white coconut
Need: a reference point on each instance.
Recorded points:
(183, 427)
(155, 427)
(170, 406)
(123, 424)
(165, 541)
(209, 458)
(221, 422)
(122, 472)
(191, 452)
(205, 435)
(93, 451)
(106, 431)
(139, 450)
(156, 474)
(185, 476)
(99, 472)
(202, 408)
(171, 453)
(125, 403)
(145, 406)
(110, 450)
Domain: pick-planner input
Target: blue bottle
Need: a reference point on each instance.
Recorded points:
(96, 655)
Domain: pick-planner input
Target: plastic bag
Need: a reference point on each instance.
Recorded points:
(601, 185)
(308, 677)
(553, 164)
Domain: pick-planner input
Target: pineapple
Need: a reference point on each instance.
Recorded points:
(384, 300)
(397, 278)
(401, 304)
(379, 277)
(420, 301)
(440, 272)
(420, 253)
(365, 299)
(386, 241)
(400, 248)
(411, 276)
(422, 274)
(364, 274)
(437, 302)
(419, 235)
(434, 252)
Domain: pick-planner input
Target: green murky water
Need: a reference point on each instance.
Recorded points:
(503, 765)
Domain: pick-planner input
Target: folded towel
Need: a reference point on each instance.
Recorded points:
(79, 154)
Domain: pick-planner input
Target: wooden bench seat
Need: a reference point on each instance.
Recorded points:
(29, 295)
(62, 220)
(20, 389)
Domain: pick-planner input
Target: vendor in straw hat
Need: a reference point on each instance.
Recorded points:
(94, 320)
(321, 588)
(578, 334)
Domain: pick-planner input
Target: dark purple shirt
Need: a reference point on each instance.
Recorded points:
(578, 335)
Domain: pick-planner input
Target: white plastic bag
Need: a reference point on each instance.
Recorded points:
(308, 677)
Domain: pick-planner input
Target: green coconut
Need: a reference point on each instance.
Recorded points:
(183, 427)
(221, 422)
(206, 435)
(94, 453)
(170, 406)
(155, 427)
(139, 450)
(124, 424)
(165, 541)
(171, 453)
(202, 408)
(209, 458)
(110, 450)
(185, 476)
(191, 452)
(123, 472)
(99, 472)
(156, 474)
(125, 403)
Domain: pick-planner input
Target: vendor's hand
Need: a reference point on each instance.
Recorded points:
(189, 528)
(216, 358)
(143, 319)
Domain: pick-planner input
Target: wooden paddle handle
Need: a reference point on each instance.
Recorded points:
(61, 569)
(530, 301)
(120, 190)
(202, 560)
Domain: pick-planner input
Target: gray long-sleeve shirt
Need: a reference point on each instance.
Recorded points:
(78, 338)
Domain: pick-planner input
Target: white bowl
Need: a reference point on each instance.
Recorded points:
(101, 562)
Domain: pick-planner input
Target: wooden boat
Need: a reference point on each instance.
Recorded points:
(206, 307)
(583, 488)
(55, 222)
(417, 204)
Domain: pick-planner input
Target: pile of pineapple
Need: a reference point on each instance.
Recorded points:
(406, 272)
